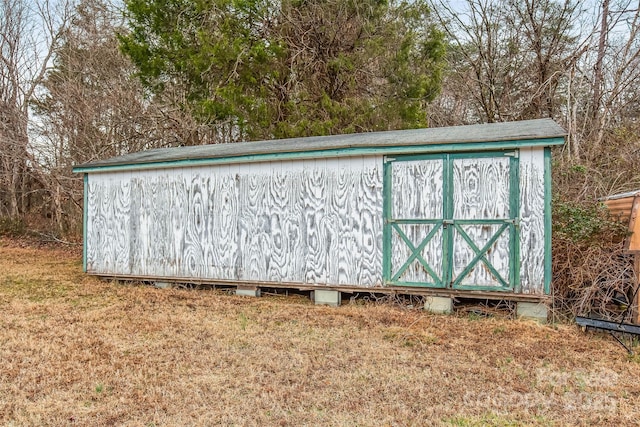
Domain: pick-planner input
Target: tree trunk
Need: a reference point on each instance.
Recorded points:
(598, 74)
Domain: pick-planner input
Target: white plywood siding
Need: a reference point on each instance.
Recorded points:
(532, 232)
(417, 193)
(481, 191)
(108, 213)
(311, 221)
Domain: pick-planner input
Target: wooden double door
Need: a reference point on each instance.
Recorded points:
(451, 221)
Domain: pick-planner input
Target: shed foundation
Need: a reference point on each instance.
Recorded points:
(327, 297)
(438, 305)
(163, 285)
(532, 310)
(246, 291)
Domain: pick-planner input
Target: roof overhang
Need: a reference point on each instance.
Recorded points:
(494, 136)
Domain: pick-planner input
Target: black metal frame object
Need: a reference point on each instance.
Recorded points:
(612, 327)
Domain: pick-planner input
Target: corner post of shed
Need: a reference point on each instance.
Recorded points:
(547, 221)
(85, 197)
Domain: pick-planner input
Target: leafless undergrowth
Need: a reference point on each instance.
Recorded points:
(592, 274)
(592, 280)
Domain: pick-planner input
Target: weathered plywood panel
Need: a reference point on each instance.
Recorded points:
(497, 255)
(418, 189)
(109, 201)
(343, 265)
(481, 191)
(532, 232)
(431, 253)
(291, 221)
(221, 219)
(368, 222)
(417, 194)
(481, 188)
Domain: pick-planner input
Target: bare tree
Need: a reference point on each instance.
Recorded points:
(91, 106)
(508, 56)
(30, 32)
(597, 71)
(551, 45)
(484, 59)
(616, 95)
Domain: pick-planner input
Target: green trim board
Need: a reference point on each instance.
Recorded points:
(547, 221)
(514, 229)
(414, 221)
(478, 147)
(447, 213)
(386, 213)
(85, 198)
(484, 154)
(447, 223)
(458, 221)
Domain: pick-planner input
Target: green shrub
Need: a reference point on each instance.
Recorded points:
(586, 223)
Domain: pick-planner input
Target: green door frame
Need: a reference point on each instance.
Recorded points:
(391, 224)
(447, 223)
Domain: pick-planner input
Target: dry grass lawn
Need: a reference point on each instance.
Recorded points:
(78, 351)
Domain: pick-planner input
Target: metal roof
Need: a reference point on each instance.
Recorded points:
(516, 132)
(620, 196)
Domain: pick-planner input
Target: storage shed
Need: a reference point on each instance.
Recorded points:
(447, 211)
(625, 208)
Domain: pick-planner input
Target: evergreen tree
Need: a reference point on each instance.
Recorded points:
(264, 69)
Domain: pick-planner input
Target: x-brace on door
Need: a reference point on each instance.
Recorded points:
(451, 221)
